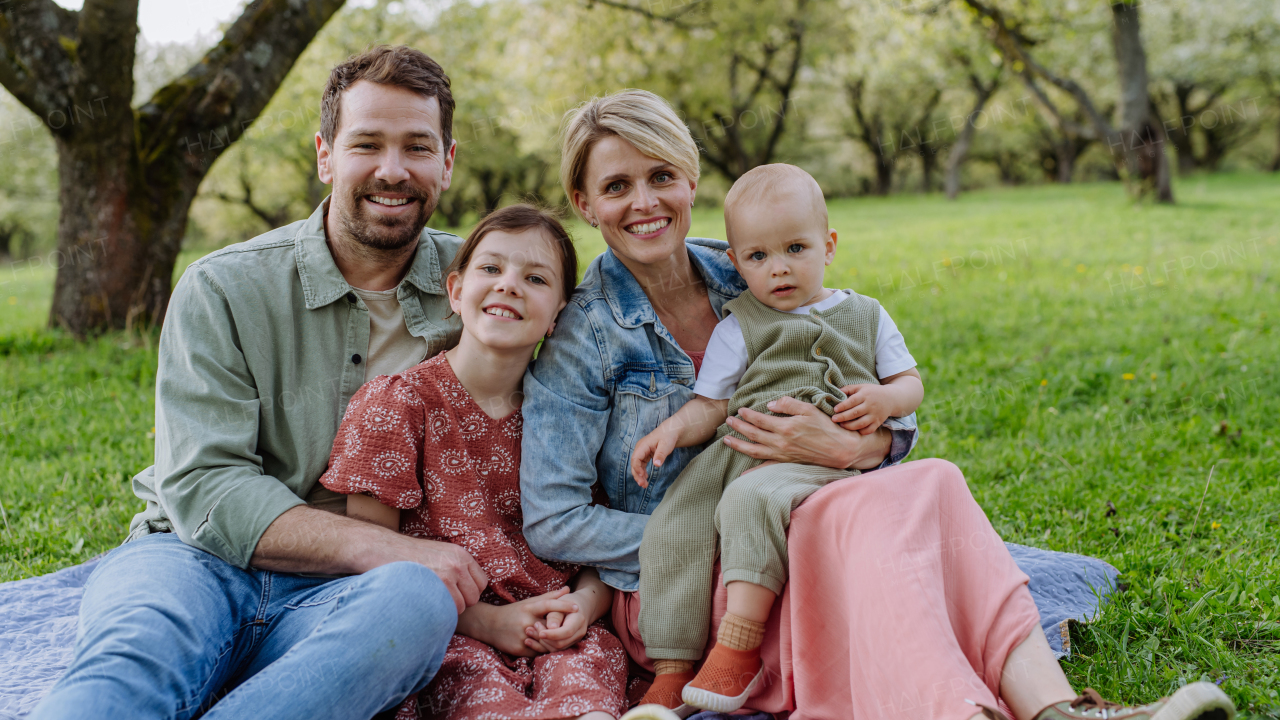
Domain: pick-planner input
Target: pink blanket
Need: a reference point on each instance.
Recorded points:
(902, 603)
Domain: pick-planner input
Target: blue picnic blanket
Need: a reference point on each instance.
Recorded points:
(38, 619)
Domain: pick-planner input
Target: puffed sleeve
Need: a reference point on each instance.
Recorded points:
(378, 451)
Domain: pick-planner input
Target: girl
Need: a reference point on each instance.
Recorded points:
(435, 452)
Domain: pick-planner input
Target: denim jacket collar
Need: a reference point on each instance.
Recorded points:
(627, 299)
(323, 283)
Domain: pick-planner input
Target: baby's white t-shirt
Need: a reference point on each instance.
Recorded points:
(726, 358)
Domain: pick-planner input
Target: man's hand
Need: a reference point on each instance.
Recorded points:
(459, 571)
(504, 626)
(305, 539)
(865, 409)
(656, 445)
(801, 433)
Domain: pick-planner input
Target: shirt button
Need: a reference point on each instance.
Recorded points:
(817, 351)
(356, 358)
(351, 297)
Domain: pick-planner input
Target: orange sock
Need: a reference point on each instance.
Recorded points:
(739, 633)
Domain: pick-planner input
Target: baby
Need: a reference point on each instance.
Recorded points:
(789, 336)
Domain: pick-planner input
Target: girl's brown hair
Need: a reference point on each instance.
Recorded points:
(513, 219)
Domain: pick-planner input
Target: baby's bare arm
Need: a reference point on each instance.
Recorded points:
(696, 422)
(693, 424)
(903, 392)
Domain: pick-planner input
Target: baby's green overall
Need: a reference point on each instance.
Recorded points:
(809, 357)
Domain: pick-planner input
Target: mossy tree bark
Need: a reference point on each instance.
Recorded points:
(128, 175)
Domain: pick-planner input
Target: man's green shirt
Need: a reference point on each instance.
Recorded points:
(261, 350)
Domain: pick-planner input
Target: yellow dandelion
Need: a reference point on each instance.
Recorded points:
(1215, 525)
(1137, 270)
(1125, 268)
(1153, 376)
(1043, 383)
(1127, 376)
(13, 299)
(946, 261)
(1080, 268)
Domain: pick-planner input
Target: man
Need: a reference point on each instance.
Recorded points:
(233, 596)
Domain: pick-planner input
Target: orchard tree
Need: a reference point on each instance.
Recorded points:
(1140, 138)
(128, 173)
(892, 75)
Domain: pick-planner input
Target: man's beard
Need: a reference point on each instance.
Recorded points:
(386, 233)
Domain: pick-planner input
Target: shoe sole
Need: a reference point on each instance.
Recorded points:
(658, 712)
(1197, 701)
(707, 700)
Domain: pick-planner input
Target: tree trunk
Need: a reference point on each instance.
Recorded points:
(119, 233)
(1275, 161)
(884, 174)
(127, 176)
(1065, 155)
(960, 150)
(1180, 137)
(1141, 140)
(928, 165)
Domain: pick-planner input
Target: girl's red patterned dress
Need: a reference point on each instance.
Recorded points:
(418, 441)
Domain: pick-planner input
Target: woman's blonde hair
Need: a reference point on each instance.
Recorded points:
(637, 116)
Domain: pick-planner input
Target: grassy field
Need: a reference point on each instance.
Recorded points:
(1103, 373)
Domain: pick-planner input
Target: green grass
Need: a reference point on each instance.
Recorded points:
(1080, 353)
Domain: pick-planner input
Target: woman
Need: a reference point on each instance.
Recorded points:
(918, 612)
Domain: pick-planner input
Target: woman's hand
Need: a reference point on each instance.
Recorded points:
(503, 626)
(807, 436)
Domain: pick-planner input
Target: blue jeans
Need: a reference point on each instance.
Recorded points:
(170, 631)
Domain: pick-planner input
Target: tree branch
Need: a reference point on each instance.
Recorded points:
(673, 19)
(201, 113)
(37, 40)
(786, 87)
(1012, 44)
(107, 32)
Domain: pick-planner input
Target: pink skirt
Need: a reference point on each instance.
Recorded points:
(903, 603)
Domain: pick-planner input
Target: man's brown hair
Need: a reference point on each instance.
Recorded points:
(401, 66)
(517, 218)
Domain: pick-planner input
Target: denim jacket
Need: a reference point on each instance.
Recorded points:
(608, 375)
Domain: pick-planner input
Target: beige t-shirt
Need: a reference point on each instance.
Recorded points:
(391, 350)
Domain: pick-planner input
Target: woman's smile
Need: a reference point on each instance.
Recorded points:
(649, 228)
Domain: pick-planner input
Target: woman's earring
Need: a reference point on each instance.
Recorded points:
(595, 224)
(691, 203)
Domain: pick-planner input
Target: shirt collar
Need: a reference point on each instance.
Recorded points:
(323, 283)
(631, 307)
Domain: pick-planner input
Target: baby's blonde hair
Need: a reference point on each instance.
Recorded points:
(778, 181)
(637, 116)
